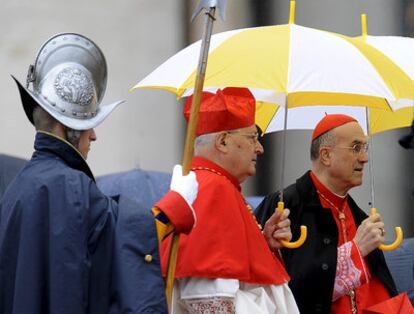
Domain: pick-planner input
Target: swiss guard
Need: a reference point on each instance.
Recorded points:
(65, 247)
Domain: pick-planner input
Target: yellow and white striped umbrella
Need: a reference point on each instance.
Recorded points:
(399, 50)
(290, 65)
(306, 118)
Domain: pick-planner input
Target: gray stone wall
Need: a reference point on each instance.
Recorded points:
(135, 36)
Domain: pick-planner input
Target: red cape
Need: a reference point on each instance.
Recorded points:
(226, 242)
(399, 304)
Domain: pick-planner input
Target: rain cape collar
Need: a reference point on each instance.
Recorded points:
(51, 144)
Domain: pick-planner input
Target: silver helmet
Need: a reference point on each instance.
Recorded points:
(68, 80)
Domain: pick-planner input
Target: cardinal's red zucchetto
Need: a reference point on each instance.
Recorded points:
(329, 122)
(228, 109)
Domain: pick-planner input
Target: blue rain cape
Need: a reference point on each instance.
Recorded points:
(65, 247)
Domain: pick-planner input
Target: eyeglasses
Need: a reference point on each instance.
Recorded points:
(357, 148)
(254, 138)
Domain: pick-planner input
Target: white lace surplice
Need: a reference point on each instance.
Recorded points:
(223, 296)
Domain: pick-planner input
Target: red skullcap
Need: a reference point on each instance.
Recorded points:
(228, 109)
(329, 122)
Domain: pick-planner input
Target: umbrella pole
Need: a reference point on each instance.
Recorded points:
(282, 171)
(281, 204)
(371, 160)
(398, 230)
(190, 137)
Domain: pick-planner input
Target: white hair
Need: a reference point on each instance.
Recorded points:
(203, 140)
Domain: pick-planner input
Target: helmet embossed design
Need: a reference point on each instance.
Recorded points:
(72, 85)
(68, 80)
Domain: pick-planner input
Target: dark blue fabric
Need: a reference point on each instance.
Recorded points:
(146, 187)
(65, 247)
(9, 167)
(401, 264)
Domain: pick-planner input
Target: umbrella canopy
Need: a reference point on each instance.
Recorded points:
(398, 49)
(291, 65)
(306, 118)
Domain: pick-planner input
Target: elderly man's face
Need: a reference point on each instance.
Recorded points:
(348, 156)
(244, 148)
(86, 137)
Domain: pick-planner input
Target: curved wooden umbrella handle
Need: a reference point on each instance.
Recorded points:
(303, 232)
(398, 239)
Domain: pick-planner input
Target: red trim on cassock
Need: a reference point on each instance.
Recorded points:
(226, 242)
(177, 210)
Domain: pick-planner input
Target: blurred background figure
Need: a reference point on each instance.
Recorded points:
(407, 141)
